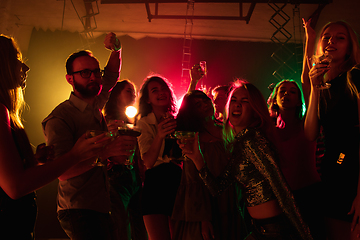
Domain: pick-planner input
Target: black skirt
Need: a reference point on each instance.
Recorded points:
(160, 187)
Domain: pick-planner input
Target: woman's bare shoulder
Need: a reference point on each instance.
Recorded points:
(4, 112)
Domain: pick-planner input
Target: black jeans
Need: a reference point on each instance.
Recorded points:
(83, 224)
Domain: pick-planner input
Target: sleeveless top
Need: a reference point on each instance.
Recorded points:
(24, 208)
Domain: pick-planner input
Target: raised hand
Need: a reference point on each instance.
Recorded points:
(309, 31)
(196, 73)
(111, 42)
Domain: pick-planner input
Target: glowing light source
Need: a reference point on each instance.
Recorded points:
(131, 111)
(179, 101)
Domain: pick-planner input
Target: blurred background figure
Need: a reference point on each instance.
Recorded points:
(162, 178)
(298, 158)
(125, 181)
(220, 96)
(122, 96)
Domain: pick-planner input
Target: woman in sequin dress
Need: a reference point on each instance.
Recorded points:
(336, 110)
(253, 164)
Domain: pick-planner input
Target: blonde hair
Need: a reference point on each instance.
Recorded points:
(258, 104)
(11, 93)
(352, 59)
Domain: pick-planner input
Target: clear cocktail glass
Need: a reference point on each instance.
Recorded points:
(323, 59)
(94, 133)
(185, 137)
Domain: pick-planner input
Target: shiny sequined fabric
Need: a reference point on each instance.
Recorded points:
(254, 165)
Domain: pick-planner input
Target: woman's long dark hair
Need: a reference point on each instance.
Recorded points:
(144, 106)
(111, 110)
(187, 118)
(274, 108)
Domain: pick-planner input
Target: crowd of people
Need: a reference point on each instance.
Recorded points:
(226, 165)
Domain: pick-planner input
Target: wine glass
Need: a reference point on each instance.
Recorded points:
(203, 67)
(94, 133)
(323, 59)
(129, 130)
(185, 137)
(165, 116)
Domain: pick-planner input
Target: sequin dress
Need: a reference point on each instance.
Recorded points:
(253, 165)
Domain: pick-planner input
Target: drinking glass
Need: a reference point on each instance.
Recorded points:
(324, 59)
(94, 133)
(167, 116)
(203, 67)
(185, 137)
(129, 130)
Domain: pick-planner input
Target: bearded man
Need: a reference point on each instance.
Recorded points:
(83, 201)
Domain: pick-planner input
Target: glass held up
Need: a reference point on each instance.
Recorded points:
(123, 129)
(129, 130)
(203, 67)
(322, 59)
(168, 116)
(185, 137)
(94, 133)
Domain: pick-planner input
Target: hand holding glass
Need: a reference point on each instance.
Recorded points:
(168, 116)
(322, 59)
(185, 137)
(129, 130)
(94, 133)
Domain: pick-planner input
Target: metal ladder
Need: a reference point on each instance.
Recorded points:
(186, 56)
